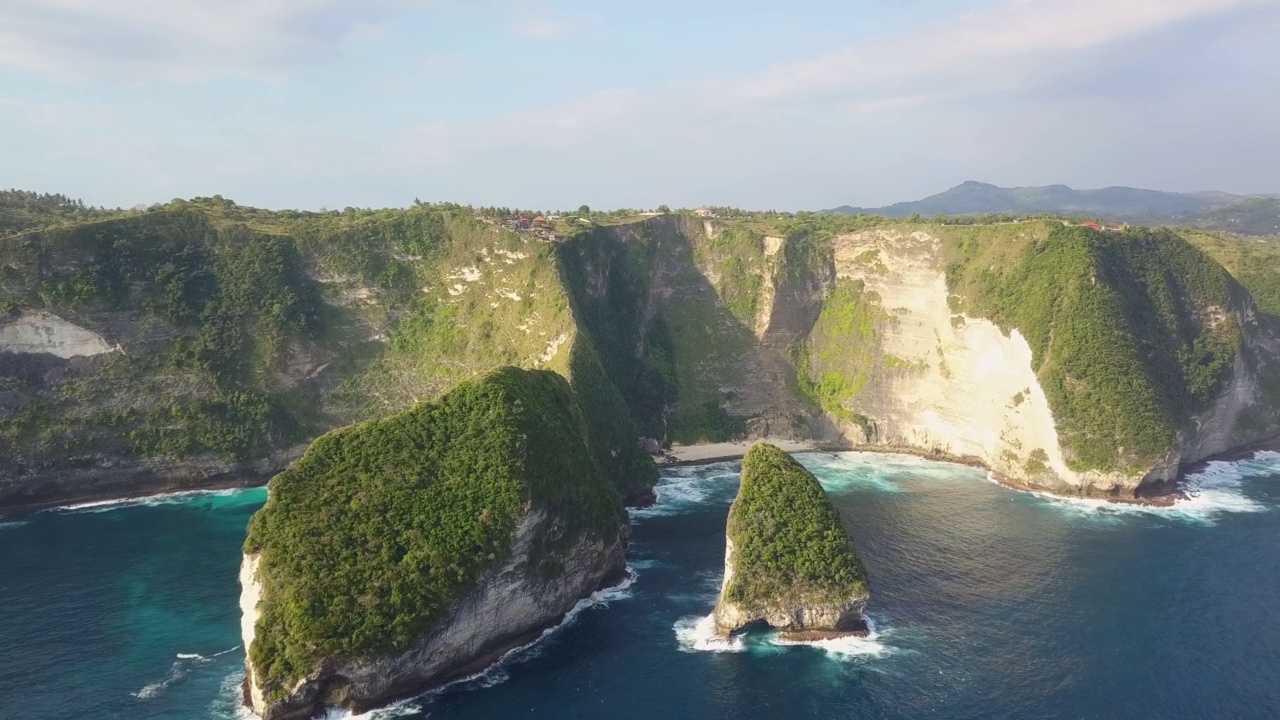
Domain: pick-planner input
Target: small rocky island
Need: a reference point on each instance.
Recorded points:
(399, 554)
(789, 562)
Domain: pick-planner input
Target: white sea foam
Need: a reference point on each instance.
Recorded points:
(697, 633)
(229, 705)
(844, 471)
(682, 489)
(14, 524)
(845, 648)
(177, 671)
(150, 500)
(1216, 490)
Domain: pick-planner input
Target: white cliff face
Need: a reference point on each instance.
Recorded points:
(250, 596)
(511, 606)
(42, 332)
(966, 389)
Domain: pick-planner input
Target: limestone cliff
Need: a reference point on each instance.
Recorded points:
(903, 362)
(399, 554)
(789, 562)
(204, 344)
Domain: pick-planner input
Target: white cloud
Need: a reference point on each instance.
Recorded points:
(180, 39)
(543, 29)
(998, 50)
(982, 51)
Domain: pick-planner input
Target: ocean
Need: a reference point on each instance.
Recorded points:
(986, 603)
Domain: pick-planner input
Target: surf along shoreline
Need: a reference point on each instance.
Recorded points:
(155, 485)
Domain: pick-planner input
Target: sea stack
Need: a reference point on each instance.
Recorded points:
(789, 562)
(397, 555)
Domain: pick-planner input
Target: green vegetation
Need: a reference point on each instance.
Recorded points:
(833, 365)
(1129, 331)
(21, 210)
(736, 256)
(788, 541)
(235, 300)
(1254, 262)
(368, 540)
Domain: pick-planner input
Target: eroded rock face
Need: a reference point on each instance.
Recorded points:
(960, 387)
(42, 332)
(511, 608)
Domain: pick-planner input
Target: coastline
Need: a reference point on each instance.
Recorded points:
(154, 485)
(708, 453)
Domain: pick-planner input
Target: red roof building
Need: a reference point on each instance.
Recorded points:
(1093, 226)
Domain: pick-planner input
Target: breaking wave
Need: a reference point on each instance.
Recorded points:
(1214, 491)
(684, 488)
(176, 498)
(183, 665)
(697, 633)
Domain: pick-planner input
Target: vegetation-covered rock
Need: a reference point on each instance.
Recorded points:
(789, 561)
(372, 540)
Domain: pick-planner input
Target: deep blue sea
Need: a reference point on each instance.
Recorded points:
(986, 603)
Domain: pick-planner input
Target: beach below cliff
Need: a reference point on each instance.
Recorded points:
(704, 453)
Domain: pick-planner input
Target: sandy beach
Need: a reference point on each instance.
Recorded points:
(719, 452)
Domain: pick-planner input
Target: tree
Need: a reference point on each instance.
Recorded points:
(664, 209)
(584, 210)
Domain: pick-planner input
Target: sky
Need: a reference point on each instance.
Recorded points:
(551, 104)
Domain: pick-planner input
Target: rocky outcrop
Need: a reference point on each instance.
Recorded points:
(512, 606)
(397, 555)
(789, 562)
(798, 619)
(42, 332)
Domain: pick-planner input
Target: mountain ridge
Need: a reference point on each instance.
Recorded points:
(1257, 214)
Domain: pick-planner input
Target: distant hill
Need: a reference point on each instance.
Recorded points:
(1251, 216)
(1210, 210)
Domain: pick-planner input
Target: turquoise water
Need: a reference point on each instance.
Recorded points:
(986, 603)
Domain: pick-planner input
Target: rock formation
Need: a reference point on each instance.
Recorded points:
(398, 555)
(789, 562)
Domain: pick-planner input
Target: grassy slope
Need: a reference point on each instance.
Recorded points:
(222, 299)
(788, 542)
(369, 539)
(216, 309)
(1255, 262)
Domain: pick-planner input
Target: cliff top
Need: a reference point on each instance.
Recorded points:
(788, 542)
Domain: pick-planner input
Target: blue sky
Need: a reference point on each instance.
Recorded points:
(797, 105)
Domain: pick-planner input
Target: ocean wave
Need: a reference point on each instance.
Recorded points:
(183, 665)
(697, 633)
(497, 672)
(173, 498)
(682, 489)
(13, 524)
(1214, 491)
(845, 471)
(845, 648)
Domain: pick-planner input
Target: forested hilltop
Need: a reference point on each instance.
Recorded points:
(201, 342)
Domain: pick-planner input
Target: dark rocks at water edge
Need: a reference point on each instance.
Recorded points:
(398, 555)
(789, 561)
